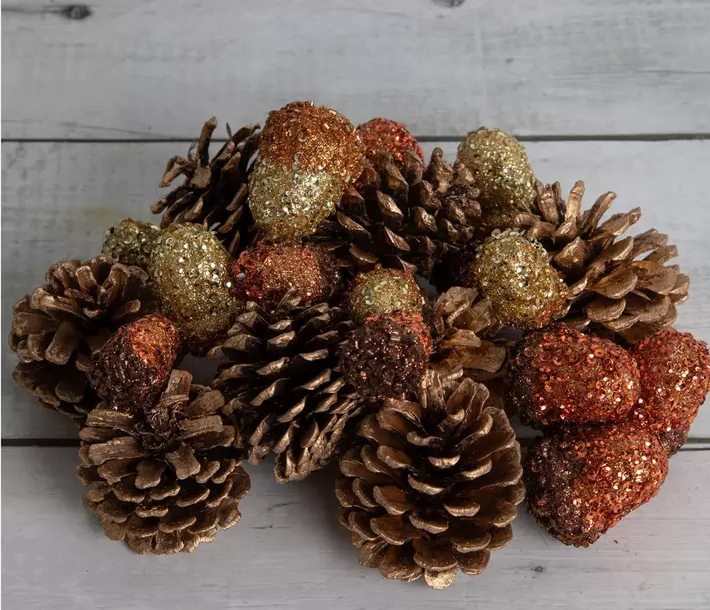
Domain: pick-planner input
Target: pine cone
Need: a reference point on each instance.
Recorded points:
(214, 192)
(55, 331)
(434, 485)
(166, 479)
(405, 219)
(281, 379)
(612, 291)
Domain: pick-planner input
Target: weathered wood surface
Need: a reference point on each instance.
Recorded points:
(59, 198)
(137, 69)
(289, 552)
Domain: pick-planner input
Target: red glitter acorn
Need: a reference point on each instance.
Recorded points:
(561, 376)
(675, 378)
(581, 483)
(383, 134)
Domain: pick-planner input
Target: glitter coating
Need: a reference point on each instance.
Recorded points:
(500, 169)
(675, 378)
(514, 273)
(265, 274)
(131, 242)
(133, 366)
(382, 134)
(192, 275)
(383, 291)
(673, 440)
(387, 356)
(580, 484)
(560, 376)
(289, 203)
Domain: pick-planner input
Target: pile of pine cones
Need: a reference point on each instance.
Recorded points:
(294, 257)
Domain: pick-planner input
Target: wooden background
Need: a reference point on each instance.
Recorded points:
(96, 99)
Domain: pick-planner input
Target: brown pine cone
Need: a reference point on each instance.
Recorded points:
(404, 218)
(613, 292)
(164, 479)
(57, 328)
(433, 485)
(214, 192)
(280, 376)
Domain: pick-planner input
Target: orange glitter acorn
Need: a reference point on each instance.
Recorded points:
(581, 483)
(383, 134)
(561, 376)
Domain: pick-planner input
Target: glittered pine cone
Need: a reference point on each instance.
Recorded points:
(433, 486)
(404, 217)
(214, 192)
(57, 328)
(166, 478)
(279, 373)
(620, 287)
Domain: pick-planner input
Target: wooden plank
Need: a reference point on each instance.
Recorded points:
(58, 199)
(290, 552)
(139, 70)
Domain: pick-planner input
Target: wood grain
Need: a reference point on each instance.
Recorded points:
(58, 200)
(138, 70)
(290, 552)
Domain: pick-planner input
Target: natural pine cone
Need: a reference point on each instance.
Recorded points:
(433, 485)
(406, 218)
(57, 328)
(164, 479)
(280, 376)
(214, 192)
(612, 292)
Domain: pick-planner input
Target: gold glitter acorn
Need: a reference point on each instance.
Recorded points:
(131, 242)
(383, 291)
(192, 275)
(501, 171)
(514, 274)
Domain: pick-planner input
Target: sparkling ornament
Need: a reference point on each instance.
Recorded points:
(514, 273)
(387, 356)
(131, 242)
(265, 274)
(382, 134)
(673, 440)
(307, 156)
(580, 484)
(561, 376)
(501, 170)
(134, 365)
(675, 378)
(192, 275)
(383, 291)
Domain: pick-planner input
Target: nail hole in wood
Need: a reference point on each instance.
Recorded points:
(76, 12)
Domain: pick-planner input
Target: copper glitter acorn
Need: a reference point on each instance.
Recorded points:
(133, 366)
(514, 273)
(387, 356)
(580, 484)
(383, 291)
(675, 378)
(560, 376)
(383, 134)
(131, 242)
(265, 274)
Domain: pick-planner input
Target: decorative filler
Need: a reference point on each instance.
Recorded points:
(364, 307)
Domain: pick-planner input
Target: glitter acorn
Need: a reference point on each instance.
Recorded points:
(560, 376)
(382, 134)
(675, 378)
(387, 356)
(307, 156)
(581, 483)
(514, 273)
(131, 242)
(191, 271)
(134, 365)
(673, 440)
(265, 274)
(383, 291)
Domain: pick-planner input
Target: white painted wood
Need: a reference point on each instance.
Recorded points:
(137, 69)
(290, 552)
(58, 200)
